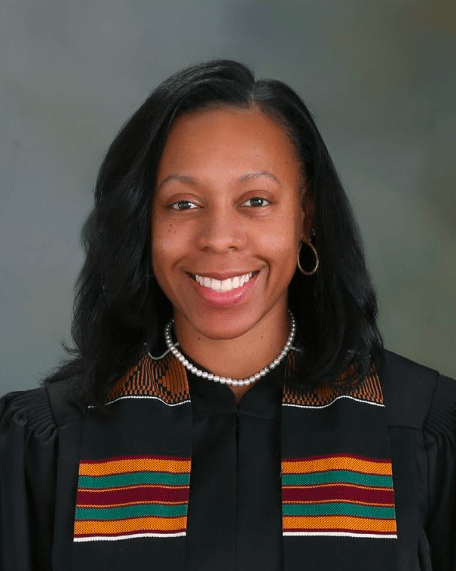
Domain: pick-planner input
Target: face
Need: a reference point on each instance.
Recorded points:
(227, 218)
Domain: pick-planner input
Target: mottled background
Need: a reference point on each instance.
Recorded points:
(378, 76)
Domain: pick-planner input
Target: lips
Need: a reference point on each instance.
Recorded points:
(225, 285)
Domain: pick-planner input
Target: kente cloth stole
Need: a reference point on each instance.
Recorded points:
(135, 476)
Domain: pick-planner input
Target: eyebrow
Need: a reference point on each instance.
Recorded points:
(244, 178)
(259, 174)
(179, 177)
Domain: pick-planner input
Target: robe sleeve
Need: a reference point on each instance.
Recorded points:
(439, 438)
(28, 444)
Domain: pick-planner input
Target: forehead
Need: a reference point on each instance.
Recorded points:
(228, 141)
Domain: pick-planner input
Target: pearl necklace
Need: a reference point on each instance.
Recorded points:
(227, 380)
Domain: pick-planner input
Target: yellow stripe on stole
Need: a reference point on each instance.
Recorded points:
(106, 527)
(316, 523)
(117, 466)
(336, 463)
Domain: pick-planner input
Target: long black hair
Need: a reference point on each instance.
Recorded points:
(119, 307)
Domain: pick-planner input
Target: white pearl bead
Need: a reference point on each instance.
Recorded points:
(227, 380)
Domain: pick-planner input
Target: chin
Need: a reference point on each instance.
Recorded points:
(224, 329)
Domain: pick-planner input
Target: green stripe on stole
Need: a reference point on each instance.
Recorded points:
(338, 508)
(140, 510)
(119, 480)
(337, 476)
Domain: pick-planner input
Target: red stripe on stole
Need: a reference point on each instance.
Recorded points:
(335, 493)
(133, 495)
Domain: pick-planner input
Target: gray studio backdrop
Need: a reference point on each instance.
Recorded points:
(378, 76)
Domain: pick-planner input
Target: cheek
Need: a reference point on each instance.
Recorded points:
(161, 247)
(288, 234)
(282, 247)
(168, 247)
(162, 264)
(288, 246)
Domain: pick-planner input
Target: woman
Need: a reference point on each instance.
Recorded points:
(229, 405)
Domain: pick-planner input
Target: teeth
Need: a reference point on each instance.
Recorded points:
(225, 285)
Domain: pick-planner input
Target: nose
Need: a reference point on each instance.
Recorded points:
(221, 231)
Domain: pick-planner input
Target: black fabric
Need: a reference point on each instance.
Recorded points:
(143, 421)
(421, 412)
(234, 518)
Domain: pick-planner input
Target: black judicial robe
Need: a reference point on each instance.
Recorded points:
(179, 477)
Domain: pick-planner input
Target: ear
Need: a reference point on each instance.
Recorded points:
(308, 219)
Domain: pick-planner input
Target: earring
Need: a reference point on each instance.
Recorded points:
(317, 259)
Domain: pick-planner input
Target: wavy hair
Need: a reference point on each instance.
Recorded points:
(119, 308)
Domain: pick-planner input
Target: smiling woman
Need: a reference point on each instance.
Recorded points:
(229, 404)
(227, 220)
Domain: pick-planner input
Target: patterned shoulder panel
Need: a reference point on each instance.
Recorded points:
(368, 391)
(164, 379)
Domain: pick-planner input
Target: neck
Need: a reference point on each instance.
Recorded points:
(237, 357)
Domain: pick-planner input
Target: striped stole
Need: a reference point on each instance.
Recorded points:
(337, 480)
(134, 473)
(132, 496)
(135, 467)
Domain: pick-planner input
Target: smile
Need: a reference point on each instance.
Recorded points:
(225, 285)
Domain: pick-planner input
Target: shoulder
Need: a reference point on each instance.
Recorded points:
(27, 411)
(42, 409)
(416, 396)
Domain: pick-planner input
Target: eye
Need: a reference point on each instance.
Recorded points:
(183, 205)
(256, 201)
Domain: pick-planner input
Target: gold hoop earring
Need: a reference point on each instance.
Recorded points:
(317, 259)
